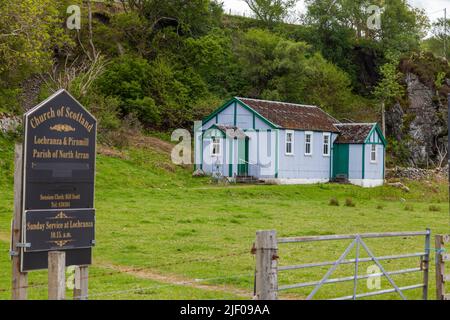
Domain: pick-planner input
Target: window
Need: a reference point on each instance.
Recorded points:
(373, 153)
(326, 144)
(215, 146)
(308, 143)
(289, 142)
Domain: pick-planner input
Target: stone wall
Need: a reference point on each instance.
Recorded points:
(9, 123)
(416, 173)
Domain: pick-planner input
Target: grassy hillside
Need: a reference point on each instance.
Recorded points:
(162, 230)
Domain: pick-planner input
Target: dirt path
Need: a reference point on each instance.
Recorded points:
(176, 280)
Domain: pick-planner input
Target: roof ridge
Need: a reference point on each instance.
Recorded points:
(280, 102)
(356, 123)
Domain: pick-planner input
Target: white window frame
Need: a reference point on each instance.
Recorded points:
(326, 134)
(311, 143)
(219, 143)
(292, 133)
(373, 152)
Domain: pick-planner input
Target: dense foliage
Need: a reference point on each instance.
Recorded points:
(168, 63)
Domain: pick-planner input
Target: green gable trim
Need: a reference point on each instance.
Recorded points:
(217, 111)
(376, 129)
(212, 128)
(254, 121)
(265, 120)
(235, 114)
(228, 103)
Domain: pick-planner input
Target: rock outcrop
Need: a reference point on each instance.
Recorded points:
(418, 124)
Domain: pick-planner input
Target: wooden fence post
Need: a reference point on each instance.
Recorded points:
(266, 283)
(19, 279)
(80, 290)
(441, 257)
(426, 265)
(56, 275)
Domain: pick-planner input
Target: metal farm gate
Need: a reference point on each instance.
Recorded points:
(267, 269)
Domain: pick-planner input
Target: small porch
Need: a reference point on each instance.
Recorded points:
(226, 154)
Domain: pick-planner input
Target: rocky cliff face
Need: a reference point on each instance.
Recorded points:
(418, 125)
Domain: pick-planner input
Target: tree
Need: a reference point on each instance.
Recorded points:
(279, 69)
(256, 57)
(271, 11)
(195, 17)
(402, 27)
(440, 42)
(30, 30)
(389, 87)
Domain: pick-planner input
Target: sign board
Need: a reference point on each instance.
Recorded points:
(58, 177)
(47, 230)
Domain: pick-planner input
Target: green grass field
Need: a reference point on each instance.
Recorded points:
(162, 234)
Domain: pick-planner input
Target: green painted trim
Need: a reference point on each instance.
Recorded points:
(217, 118)
(331, 156)
(235, 115)
(215, 127)
(217, 111)
(230, 165)
(228, 103)
(363, 160)
(277, 151)
(254, 121)
(201, 153)
(380, 133)
(340, 150)
(268, 122)
(247, 151)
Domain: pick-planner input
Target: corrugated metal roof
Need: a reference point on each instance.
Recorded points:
(293, 116)
(353, 132)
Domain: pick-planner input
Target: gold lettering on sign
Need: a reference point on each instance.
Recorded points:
(60, 154)
(38, 120)
(61, 243)
(60, 228)
(47, 141)
(61, 112)
(62, 128)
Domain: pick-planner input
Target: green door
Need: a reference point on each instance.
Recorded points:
(340, 160)
(243, 157)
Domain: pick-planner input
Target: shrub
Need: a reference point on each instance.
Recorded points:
(380, 207)
(409, 207)
(349, 203)
(434, 208)
(334, 202)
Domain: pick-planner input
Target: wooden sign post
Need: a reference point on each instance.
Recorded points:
(19, 279)
(56, 275)
(80, 290)
(54, 193)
